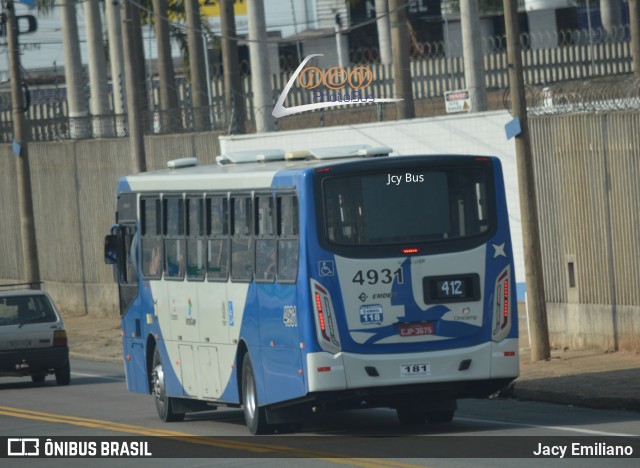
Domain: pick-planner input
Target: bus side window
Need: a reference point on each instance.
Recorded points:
(288, 238)
(129, 260)
(174, 239)
(265, 239)
(241, 239)
(218, 238)
(150, 220)
(196, 253)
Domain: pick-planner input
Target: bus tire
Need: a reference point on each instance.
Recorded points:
(164, 403)
(254, 415)
(410, 415)
(437, 417)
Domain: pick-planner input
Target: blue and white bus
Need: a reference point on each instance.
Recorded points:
(336, 278)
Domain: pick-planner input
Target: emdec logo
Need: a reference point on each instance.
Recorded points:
(334, 78)
(23, 447)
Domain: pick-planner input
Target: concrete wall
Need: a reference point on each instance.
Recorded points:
(74, 202)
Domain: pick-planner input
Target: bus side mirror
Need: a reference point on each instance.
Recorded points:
(110, 250)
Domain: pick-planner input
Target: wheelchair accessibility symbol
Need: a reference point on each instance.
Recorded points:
(325, 268)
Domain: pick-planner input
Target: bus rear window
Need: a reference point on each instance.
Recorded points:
(420, 205)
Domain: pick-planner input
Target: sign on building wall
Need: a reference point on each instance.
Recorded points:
(457, 101)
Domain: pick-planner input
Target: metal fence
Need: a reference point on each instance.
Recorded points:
(548, 58)
(589, 96)
(587, 168)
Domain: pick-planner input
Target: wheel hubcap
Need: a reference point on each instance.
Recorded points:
(158, 383)
(250, 397)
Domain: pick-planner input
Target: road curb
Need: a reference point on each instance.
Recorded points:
(522, 391)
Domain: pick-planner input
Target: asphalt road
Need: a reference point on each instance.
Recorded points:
(97, 404)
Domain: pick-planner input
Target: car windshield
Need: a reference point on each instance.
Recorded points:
(21, 310)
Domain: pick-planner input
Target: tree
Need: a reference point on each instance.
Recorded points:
(166, 31)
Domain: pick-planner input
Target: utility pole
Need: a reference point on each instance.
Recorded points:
(472, 54)
(634, 23)
(536, 305)
(260, 70)
(233, 95)
(196, 62)
(131, 58)
(338, 29)
(102, 123)
(112, 13)
(401, 65)
(73, 76)
(31, 267)
(384, 39)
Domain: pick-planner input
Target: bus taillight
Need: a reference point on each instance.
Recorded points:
(323, 327)
(327, 330)
(505, 302)
(502, 306)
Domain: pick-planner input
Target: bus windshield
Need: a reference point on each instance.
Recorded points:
(410, 206)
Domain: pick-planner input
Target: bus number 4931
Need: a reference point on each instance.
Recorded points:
(384, 276)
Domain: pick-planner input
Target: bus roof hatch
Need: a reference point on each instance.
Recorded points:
(350, 151)
(250, 156)
(182, 162)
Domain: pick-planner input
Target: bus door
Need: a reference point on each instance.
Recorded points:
(277, 259)
(121, 250)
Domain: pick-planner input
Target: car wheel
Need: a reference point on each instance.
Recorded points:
(38, 378)
(254, 415)
(63, 374)
(164, 403)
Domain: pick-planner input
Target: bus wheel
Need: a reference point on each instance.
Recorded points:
(435, 417)
(164, 403)
(410, 415)
(254, 416)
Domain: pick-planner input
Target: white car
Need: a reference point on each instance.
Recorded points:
(33, 340)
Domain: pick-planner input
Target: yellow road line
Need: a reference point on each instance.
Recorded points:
(201, 440)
